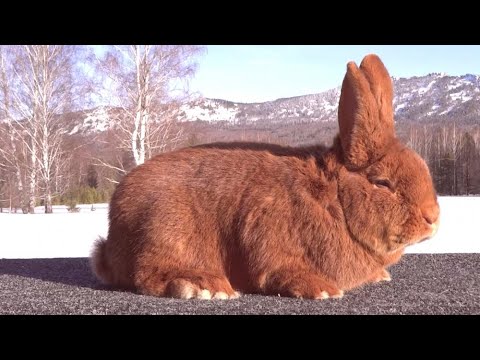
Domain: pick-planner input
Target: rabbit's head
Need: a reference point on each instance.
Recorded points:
(385, 188)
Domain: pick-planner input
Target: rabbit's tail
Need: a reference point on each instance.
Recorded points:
(99, 261)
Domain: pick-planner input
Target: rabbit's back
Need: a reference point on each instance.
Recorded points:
(210, 178)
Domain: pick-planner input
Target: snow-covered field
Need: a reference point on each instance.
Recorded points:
(64, 234)
(61, 234)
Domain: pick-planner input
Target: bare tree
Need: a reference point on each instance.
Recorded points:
(413, 138)
(11, 149)
(140, 79)
(44, 85)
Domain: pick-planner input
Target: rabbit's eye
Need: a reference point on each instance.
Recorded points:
(383, 183)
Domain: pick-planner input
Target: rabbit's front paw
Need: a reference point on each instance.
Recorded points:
(383, 276)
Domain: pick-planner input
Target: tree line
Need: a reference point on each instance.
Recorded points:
(452, 153)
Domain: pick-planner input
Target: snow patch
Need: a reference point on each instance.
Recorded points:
(423, 90)
(61, 234)
(453, 86)
(209, 111)
(327, 106)
(461, 95)
(448, 110)
(434, 107)
(97, 121)
(75, 130)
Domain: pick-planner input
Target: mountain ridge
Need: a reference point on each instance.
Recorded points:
(435, 97)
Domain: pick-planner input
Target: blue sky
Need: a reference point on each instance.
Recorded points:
(252, 73)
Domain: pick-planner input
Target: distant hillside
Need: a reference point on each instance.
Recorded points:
(434, 98)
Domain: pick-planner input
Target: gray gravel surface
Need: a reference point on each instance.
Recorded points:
(422, 284)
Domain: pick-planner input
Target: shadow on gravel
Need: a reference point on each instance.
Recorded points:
(68, 271)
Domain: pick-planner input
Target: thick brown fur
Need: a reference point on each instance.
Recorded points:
(208, 221)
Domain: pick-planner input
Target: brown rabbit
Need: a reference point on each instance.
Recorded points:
(208, 221)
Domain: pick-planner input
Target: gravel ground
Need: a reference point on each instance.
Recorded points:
(422, 284)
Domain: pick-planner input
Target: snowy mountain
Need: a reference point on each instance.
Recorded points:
(92, 121)
(434, 97)
(438, 97)
(431, 98)
(315, 107)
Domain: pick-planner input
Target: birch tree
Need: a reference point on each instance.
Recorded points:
(45, 84)
(140, 79)
(11, 149)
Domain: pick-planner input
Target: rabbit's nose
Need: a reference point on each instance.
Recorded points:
(429, 219)
(430, 214)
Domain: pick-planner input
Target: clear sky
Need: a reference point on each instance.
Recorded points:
(254, 73)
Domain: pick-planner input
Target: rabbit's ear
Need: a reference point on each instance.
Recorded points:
(365, 112)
